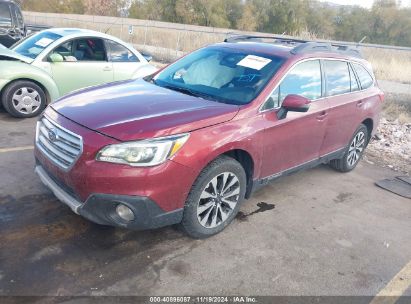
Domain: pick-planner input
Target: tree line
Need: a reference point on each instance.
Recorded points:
(385, 23)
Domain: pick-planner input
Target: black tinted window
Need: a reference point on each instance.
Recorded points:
(363, 75)
(354, 83)
(338, 77)
(304, 79)
(5, 18)
(119, 53)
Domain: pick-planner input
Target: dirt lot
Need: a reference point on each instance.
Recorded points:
(318, 232)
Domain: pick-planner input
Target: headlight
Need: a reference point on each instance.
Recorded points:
(143, 153)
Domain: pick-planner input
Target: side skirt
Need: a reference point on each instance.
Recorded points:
(259, 183)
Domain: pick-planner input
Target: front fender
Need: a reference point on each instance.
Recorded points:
(205, 145)
(15, 70)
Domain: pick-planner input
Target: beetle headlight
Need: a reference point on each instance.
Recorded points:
(143, 153)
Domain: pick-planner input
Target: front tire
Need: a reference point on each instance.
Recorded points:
(215, 198)
(24, 99)
(353, 152)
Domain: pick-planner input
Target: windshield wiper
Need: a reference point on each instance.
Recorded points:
(191, 92)
(183, 90)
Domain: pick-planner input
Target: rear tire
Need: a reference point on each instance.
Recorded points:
(24, 99)
(353, 152)
(215, 198)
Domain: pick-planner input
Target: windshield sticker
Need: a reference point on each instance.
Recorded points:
(254, 62)
(43, 42)
(247, 78)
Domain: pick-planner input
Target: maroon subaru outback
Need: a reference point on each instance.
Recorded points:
(187, 145)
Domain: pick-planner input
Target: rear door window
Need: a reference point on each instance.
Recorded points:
(5, 17)
(337, 77)
(364, 76)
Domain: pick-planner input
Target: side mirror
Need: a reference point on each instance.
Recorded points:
(55, 57)
(293, 103)
(147, 57)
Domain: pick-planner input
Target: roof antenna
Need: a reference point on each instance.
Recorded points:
(363, 38)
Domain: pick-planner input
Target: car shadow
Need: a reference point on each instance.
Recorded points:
(46, 246)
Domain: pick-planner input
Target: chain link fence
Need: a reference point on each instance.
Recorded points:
(169, 41)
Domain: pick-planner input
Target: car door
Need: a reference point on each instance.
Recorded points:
(342, 91)
(296, 139)
(85, 64)
(125, 63)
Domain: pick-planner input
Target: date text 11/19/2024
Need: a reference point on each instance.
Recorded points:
(204, 299)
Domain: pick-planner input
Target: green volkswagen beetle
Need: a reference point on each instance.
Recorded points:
(54, 62)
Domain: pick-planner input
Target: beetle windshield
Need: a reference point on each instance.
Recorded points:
(221, 74)
(32, 46)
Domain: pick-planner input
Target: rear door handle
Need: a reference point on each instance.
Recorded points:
(322, 116)
(360, 103)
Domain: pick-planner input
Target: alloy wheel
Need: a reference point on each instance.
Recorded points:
(356, 148)
(218, 200)
(26, 100)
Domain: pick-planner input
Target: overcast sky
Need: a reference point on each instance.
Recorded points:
(364, 3)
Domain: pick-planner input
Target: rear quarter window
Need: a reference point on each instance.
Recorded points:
(364, 76)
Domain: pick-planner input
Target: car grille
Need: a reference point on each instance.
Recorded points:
(57, 143)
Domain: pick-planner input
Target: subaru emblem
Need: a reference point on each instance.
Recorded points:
(53, 135)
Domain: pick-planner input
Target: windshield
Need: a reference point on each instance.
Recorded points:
(32, 46)
(221, 74)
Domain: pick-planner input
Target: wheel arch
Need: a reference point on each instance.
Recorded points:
(45, 90)
(18, 71)
(369, 123)
(247, 162)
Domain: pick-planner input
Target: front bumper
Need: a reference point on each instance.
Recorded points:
(100, 208)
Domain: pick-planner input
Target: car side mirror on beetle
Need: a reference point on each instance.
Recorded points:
(293, 103)
(147, 57)
(55, 57)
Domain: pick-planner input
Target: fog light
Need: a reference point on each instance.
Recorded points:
(124, 212)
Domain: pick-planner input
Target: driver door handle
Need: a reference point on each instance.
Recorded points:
(322, 116)
(107, 69)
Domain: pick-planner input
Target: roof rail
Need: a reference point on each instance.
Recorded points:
(301, 46)
(313, 46)
(280, 39)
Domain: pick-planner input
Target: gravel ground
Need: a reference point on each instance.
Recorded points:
(391, 146)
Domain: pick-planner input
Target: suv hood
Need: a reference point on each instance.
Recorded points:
(133, 110)
(7, 54)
